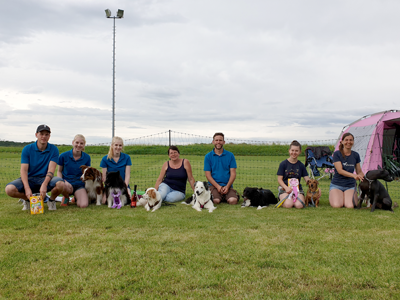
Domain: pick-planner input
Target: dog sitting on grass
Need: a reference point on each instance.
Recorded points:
(313, 193)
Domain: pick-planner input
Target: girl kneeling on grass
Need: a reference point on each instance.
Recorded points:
(342, 191)
(292, 168)
(115, 160)
(69, 169)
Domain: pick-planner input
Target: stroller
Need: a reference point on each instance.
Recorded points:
(319, 160)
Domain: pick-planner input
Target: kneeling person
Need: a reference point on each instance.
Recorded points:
(220, 169)
(38, 163)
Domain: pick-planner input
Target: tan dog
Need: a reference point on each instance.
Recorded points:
(153, 199)
(313, 192)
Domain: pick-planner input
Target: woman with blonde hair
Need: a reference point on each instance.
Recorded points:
(69, 169)
(115, 160)
(342, 191)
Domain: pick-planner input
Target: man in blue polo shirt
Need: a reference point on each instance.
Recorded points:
(220, 168)
(38, 163)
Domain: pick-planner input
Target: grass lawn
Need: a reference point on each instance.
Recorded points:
(177, 252)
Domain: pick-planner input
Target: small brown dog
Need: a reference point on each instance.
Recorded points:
(313, 192)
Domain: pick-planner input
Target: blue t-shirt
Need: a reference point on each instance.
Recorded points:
(289, 170)
(71, 167)
(112, 166)
(39, 160)
(348, 164)
(220, 165)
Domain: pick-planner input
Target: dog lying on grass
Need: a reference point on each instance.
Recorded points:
(375, 190)
(152, 199)
(202, 197)
(258, 197)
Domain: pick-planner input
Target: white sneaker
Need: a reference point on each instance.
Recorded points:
(51, 205)
(26, 205)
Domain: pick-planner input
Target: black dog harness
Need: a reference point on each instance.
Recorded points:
(312, 195)
(151, 206)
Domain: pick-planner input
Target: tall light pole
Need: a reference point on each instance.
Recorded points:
(120, 15)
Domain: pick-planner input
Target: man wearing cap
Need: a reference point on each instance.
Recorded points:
(38, 163)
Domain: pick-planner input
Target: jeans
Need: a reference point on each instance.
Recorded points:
(170, 195)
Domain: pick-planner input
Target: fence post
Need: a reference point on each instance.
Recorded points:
(169, 137)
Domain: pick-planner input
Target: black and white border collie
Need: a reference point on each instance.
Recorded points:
(258, 197)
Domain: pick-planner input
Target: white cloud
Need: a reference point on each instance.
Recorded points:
(274, 70)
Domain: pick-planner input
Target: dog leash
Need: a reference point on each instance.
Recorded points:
(355, 191)
(284, 199)
(312, 194)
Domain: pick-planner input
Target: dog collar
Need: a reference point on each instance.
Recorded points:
(151, 206)
(202, 206)
(315, 191)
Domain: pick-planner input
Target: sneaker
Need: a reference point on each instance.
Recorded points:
(51, 205)
(26, 205)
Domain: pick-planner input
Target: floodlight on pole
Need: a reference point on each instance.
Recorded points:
(120, 15)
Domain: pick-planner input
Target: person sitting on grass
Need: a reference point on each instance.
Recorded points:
(69, 169)
(173, 176)
(292, 168)
(38, 164)
(220, 169)
(115, 160)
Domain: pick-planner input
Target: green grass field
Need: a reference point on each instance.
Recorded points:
(177, 252)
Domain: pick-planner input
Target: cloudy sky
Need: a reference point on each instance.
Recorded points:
(254, 69)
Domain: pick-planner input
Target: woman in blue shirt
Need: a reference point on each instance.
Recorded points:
(342, 191)
(69, 169)
(115, 160)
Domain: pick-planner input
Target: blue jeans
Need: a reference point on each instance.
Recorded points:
(170, 195)
(338, 187)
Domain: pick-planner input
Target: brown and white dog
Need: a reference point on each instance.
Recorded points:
(93, 184)
(313, 192)
(153, 200)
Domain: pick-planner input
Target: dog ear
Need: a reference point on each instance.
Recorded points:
(206, 185)
(152, 194)
(308, 181)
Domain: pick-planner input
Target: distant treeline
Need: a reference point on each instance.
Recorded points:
(13, 144)
(195, 149)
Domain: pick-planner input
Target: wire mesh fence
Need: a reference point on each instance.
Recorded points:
(257, 161)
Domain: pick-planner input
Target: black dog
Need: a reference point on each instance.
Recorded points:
(375, 190)
(258, 197)
(115, 185)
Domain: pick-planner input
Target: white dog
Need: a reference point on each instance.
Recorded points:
(201, 198)
(153, 199)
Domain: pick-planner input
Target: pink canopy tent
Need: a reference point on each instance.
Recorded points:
(376, 139)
